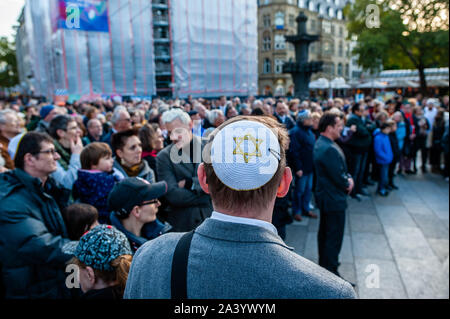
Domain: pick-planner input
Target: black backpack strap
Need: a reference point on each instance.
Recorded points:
(178, 283)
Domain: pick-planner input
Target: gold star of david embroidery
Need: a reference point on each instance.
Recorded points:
(238, 150)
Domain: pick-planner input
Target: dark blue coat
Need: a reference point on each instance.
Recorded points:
(301, 149)
(93, 189)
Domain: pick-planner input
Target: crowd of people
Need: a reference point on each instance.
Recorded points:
(90, 183)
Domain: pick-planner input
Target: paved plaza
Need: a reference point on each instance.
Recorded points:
(403, 238)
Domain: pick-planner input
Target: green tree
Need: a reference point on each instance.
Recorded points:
(8, 64)
(410, 34)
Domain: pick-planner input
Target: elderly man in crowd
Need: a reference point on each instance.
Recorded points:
(177, 164)
(95, 132)
(283, 116)
(9, 128)
(121, 121)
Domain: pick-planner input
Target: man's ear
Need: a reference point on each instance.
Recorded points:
(28, 159)
(285, 183)
(135, 212)
(202, 178)
(119, 153)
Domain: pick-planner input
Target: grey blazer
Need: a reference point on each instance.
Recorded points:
(232, 261)
(187, 208)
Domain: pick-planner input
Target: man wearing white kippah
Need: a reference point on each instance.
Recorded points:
(237, 253)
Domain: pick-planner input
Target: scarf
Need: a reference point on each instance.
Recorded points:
(133, 171)
(65, 154)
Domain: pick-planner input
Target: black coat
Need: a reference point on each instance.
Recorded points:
(301, 147)
(332, 176)
(361, 139)
(288, 122)
(32, 236)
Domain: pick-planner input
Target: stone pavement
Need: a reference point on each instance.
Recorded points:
(403, 238)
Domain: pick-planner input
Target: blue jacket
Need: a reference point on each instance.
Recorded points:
(383, 148)
(93, 189)
(301, 148)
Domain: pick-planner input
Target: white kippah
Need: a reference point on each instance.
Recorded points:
(245, 155)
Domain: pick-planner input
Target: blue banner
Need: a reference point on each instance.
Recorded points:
(83, 15)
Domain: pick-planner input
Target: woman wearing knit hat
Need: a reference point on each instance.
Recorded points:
(103, 256)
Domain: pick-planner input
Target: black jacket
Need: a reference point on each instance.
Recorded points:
(300, 154)
(361, 139)
(288, 122)
(332, 176)
(32, 236)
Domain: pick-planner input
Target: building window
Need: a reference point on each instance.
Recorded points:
(313, 25)
(311, 6)
(321, 9)
(341, 32)
(280, 42)
(346, 70)
(267, 66)
(291, 2)
(326, 26)
(332, 30)
(341, 49)
(330, 12)
(266, 21)
(291, 20)
(280, 91)
(279, 66)
(301, 3)
(279, 20)
(339, 15)
(339, 70)
(264, 2)
(328, 48)
(267, 42)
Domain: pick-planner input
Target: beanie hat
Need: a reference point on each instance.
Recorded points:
(100, 246)
(45, 110)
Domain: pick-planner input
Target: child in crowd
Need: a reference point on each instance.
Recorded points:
(103, 256)
(96, 178)
(383, 155)
(79, 218)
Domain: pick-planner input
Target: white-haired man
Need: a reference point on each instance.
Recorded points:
(121, 121)
(177, 164)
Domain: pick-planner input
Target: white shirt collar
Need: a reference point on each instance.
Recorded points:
(243, 220)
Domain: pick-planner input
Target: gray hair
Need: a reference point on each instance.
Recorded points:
(213, 115)
(91, 122)
(118, 111)
(4, 114)
(173, 114)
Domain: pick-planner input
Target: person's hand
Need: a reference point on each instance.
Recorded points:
(412, 137)
(353, 128)
(351, 185)
(299, 173)
(76, 147)
(3, 169)
(182, 183)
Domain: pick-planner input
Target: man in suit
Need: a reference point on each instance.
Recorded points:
(283, 116)
(177, 164)
(237, 253)
(333, 185)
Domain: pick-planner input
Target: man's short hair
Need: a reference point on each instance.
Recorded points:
(30, 143)
(173, 114)
(60, 122)
(117, 114)
(92, 121)
(328, 119)
(213, 115)
(226, 198)
(92, 154)
(118, 140)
